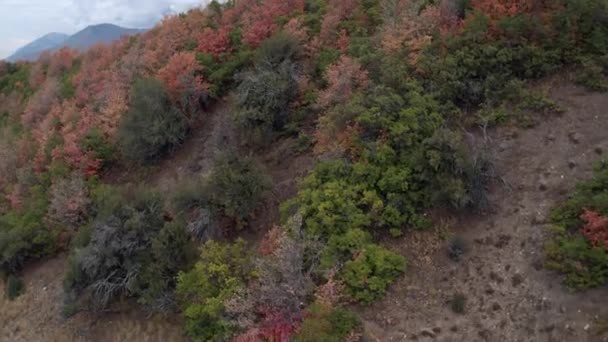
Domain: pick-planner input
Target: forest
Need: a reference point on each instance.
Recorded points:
(377, 96)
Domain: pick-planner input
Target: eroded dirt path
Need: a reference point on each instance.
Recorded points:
(510, 296)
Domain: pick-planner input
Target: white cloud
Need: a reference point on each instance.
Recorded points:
(22, 21)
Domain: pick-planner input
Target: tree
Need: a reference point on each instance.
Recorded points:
(221, 271)
(153, 125)
(183, 83)
(215, 42)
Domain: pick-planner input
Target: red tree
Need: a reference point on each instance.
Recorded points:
(180, 77)
(215, 42)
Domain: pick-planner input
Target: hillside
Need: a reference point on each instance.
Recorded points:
(82, 40)
(353, 170)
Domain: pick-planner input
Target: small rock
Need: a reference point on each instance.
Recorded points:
(428, 333)
(454, 329)
(572, 164)
(542, 186)
(436, 330)
(496, 307)
(599, 151)
(575, 138)
(538, 218)
(562, 309)
(586, 327)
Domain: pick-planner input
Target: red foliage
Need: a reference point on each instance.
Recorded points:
(337, 12)
(181, 79)
(343, 77)
(259, 22)
(497, 9)
(215, 42)
(596, 228)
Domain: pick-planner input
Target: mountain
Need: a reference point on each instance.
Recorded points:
(32, 50)
(82, 40)
(102, 33)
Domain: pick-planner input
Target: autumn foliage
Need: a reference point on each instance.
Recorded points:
(595, 229)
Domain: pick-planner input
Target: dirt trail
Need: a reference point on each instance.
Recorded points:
(510, 296)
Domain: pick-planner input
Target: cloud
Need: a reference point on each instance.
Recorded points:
(133, 13)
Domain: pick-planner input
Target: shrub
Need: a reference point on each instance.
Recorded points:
(95, 142)
(130, 251)
(14, 287)
(263, 98)
(324, 323)
(584, 266)
(152, 126)
(456, 248)
(458, 303)
(221, 271)
(23, 232)
(574, 250)
(69, 202)
(369, 273)
(265, 92)
(236, 186)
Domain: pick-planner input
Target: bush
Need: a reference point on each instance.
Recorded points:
(152, 126)
(369, 273)
(458, 303)
(221, 271)
(323, 323)
(70, 204)
(131, 251)
(456, 248)
(23, 232)
(265, 92)
(236, 186)
(572, 251)
(14, 287)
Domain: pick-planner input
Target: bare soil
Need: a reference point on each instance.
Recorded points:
(509, 295)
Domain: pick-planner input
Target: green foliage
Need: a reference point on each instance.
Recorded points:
(591, 194)
(130, 251)
(569, 252)
(406, 162)
(14, 287)
(96, 142)
(220, 272)
(584, 266)
(152, 126)
(265, 92)
(593, 74)
(23, 232)
(370, 272)
(16, 79)
(323, 323)
(220, 73)
(236, 186)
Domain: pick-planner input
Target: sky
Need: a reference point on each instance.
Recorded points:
(22, 21)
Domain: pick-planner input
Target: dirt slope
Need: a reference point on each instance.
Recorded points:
(510, 296)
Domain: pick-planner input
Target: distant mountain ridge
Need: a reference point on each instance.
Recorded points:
(82, 40)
